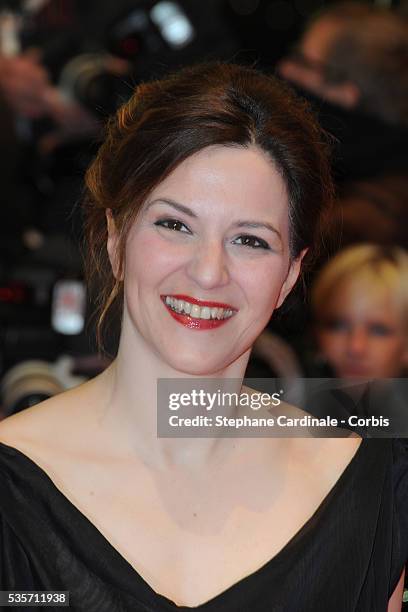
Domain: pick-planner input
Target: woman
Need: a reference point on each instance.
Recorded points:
(202, 204)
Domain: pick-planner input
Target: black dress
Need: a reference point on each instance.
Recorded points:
(347, 557)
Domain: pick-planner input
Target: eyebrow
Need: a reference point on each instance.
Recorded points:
(258, 224)
(184, 209)
(176, 205)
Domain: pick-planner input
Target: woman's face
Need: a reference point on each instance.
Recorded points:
(207, 261)
(362, 334)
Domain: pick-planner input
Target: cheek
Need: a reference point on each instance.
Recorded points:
(388, 358)
(262, 285)
(389, 349)
(330, 344)
(148, 259)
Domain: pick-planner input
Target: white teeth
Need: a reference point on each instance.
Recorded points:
(205, 312)
(195, 311)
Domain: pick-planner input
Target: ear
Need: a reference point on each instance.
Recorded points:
(291, 277)
(113, 243)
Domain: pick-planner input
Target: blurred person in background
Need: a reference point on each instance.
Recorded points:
(360, 309)
(355, 55)
(351, 61)
(360, 306)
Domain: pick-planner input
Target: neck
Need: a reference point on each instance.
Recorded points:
(128, 406)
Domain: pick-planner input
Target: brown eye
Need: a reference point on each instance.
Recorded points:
(173, 224)
(252, 241)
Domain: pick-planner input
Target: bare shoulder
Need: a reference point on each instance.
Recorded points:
(327, 457)
(326, 454)
(329, 449)
(47, 426)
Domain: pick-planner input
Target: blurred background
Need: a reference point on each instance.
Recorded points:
(66, 65)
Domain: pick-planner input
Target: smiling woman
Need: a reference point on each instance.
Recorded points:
(203, 204)
(213, 231)
(168, 122)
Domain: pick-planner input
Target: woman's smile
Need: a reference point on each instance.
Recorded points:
(198, 314)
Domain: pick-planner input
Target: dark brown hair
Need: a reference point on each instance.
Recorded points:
(166, 121)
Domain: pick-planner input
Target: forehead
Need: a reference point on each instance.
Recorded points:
(227, 180)
(366, 296)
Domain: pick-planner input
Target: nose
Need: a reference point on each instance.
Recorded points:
(357, 342)
(208, 266)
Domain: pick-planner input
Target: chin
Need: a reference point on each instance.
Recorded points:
(198, 370)
(199, 366)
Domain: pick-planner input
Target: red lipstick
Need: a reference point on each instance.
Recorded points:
(192, 322)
